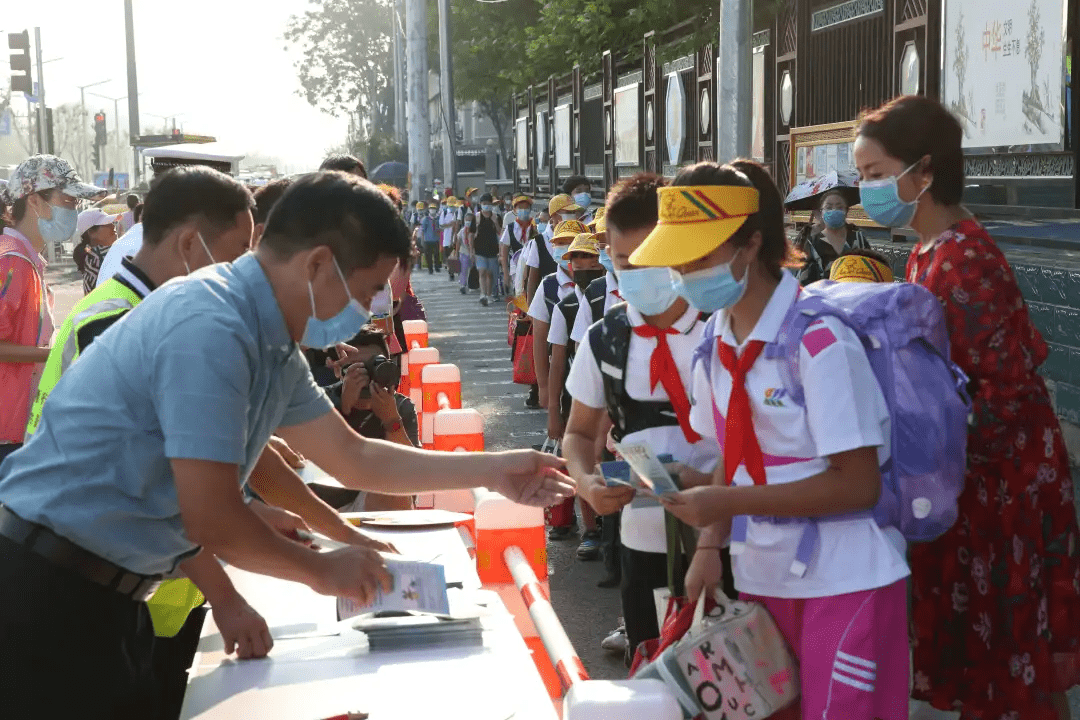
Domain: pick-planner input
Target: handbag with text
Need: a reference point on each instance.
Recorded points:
(732, 664)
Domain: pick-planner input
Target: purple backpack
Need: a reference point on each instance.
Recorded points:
(903, 331)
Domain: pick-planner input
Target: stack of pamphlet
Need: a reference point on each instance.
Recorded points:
(420, 631)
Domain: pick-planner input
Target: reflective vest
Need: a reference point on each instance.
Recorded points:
(175, 599)
(109, 299)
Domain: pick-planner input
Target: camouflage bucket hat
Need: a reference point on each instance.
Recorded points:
(46, 172)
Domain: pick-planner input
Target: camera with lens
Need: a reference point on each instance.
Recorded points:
(380, 370)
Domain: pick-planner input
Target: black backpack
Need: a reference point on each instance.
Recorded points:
(610, 343)
(596, 295)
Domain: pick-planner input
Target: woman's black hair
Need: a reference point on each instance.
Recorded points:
(912, 127)
(825, 196)
(776, 251)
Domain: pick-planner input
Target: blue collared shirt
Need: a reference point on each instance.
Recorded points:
(429, 232)
(203, 369)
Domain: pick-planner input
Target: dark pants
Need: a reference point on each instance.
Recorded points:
(610, 545)
(71, 648)
(172, 660)
(432, 255)
(642, 572)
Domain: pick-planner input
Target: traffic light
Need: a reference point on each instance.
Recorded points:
(100, 136)
(20, 62)
(97, 156)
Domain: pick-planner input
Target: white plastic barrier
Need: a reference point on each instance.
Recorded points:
(620, 700)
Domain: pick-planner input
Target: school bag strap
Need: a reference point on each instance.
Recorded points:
(568, 306)
(596, 294)
(550, 285)
(609, 340)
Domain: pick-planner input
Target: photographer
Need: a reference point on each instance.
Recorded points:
(372, 409)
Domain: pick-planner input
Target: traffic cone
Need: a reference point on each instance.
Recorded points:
(499, 524)
(441, 391)
(416, 333)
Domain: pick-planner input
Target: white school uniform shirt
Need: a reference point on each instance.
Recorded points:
(538, 309)
(844, 410)
(447, 216)
(642, 528)
(584, 314)
(532, 253)
(558, 333)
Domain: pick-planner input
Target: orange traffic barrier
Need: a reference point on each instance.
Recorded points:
(499, 524)
(416, 333)
(441, 390)
(459, 430)
(419, 358)
(404, 384)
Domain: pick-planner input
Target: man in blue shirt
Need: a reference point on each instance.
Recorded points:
(430, 238)
(144, 443)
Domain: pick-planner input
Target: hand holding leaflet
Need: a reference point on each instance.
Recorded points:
(648, 467)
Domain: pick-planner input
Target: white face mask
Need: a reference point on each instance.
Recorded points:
(208, 254)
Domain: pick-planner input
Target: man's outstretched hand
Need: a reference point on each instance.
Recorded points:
(530, 478)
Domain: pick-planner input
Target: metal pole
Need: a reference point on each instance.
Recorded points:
(446, 92)
(399, 76)
(133, 92)
(30, 133)
(558, 646)
(43, 138)
(734, 84)
(419, 122)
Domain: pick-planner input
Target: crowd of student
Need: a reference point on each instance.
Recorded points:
(622, 300)
(659, 318)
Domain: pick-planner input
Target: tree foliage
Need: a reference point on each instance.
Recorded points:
(344, 68)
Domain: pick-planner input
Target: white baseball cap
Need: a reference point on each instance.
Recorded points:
(93, 218)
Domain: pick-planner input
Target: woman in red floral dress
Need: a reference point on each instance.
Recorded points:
(996, 615)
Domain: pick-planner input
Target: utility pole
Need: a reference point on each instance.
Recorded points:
(133, 92)
(734, 86)
(446, 92)
(43, 137)
(399, 75)
(419, 122)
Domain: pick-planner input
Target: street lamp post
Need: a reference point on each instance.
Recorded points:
(82, 123)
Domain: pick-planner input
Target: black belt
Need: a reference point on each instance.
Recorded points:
(67, 555)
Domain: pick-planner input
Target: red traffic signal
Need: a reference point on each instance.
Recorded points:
(100, 136)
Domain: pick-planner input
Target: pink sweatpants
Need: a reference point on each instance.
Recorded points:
(852, 651)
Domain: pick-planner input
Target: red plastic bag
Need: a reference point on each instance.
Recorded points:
(677, 620)
(524, 367)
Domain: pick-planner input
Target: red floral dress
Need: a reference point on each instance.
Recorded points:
(996, 609)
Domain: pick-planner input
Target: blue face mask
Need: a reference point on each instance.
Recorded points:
(524, 214)
(711, 289)
(648, 290)
(61, 226)
(325, 334)
(583, 199)
(541, 227)
(881, 200)
(605, 260)
(487, 208)
(834, 219)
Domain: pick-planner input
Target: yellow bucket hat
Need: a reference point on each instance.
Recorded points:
(563, 203)
(522, 198)
(569, 230)
(599, 221)
(420, 205)
(694, 221)
(583, 243)
(860, 268)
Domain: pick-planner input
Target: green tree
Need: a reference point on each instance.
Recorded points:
(344, 67)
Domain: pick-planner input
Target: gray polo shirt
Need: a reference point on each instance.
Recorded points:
(203, 369)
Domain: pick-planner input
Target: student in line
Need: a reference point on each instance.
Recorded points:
(632, 374)
(844, 610)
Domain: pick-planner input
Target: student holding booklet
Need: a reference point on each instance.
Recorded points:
(843, 606)
(657, 329)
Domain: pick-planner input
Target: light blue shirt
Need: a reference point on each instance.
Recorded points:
(204, 369)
